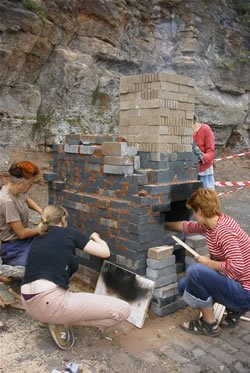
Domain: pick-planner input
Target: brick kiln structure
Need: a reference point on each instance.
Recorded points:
(125, 187)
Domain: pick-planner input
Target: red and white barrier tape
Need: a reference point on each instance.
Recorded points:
(229, 192)
(231, 156)
(232, 183)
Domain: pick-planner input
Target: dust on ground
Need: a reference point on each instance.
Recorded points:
(160, 346)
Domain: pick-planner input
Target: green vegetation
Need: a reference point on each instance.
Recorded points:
(226, 62)
(244, 7)
(36, 6)
(42, 120)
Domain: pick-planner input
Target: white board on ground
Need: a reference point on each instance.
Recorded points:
(126, 285)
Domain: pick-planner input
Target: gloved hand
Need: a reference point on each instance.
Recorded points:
(198, 153)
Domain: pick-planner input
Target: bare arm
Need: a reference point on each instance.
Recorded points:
(96, 246)
(33, 206)
(174, 225)
(209, 262)
(22, 232)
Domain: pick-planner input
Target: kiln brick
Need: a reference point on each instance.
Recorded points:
(196, 241)
(166, 291)
(160, 252)
(132, 265)
(161, 263)
(165, 280)
(189, 260)
(118, 170)
(155, 274)
(71, 148)
(76, 206)
(169, 308)
(115, 148)
(87, 149)
(50, 176)
(157, 157)
(161, 302)
(58, 185)
(97, 139)
(118, 160)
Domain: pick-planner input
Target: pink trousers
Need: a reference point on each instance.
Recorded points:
(59, 306)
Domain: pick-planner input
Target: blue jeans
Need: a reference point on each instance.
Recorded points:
(15, 253)
(207, 181)
(202, 286)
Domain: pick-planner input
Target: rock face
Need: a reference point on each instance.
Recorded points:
(61, 63)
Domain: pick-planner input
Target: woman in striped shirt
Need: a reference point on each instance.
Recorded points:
(224, 277)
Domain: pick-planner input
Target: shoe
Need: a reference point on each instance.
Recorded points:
(231, 319)
(201, 327)
(62, 336)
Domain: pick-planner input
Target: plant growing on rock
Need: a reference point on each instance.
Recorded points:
(36, 6)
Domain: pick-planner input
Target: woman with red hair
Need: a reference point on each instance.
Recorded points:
(15, 234)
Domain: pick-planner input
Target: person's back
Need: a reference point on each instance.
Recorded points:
(52, 256)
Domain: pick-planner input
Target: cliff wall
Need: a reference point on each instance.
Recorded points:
(61, 63)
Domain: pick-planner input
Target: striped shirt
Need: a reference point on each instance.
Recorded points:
(228, 244)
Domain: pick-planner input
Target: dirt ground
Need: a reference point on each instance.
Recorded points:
(160, 346)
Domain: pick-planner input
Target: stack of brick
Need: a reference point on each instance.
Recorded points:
(161, 269)
(156, 112)
(199, 244)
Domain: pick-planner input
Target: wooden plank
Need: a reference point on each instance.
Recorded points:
(188, 248)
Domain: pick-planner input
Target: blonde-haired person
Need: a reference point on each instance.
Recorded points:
(50, 265)
(224, 277)
(15, 234)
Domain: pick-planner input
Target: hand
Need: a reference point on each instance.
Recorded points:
(201, 158)
(203, 259)
(95, 237)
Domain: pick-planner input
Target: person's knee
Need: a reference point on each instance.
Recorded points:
(194, 271)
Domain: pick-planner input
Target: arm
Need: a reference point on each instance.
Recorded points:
(185, 226)
(208, 154)
(232, 263)
(96, 246)
(209, 262)
(33, 206)
(174, 225)
(21, 232)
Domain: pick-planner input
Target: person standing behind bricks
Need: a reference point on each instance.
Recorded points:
(45, 289)
(204, 149)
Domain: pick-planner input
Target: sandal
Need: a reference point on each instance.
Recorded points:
(231, 319)
(201, 327)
